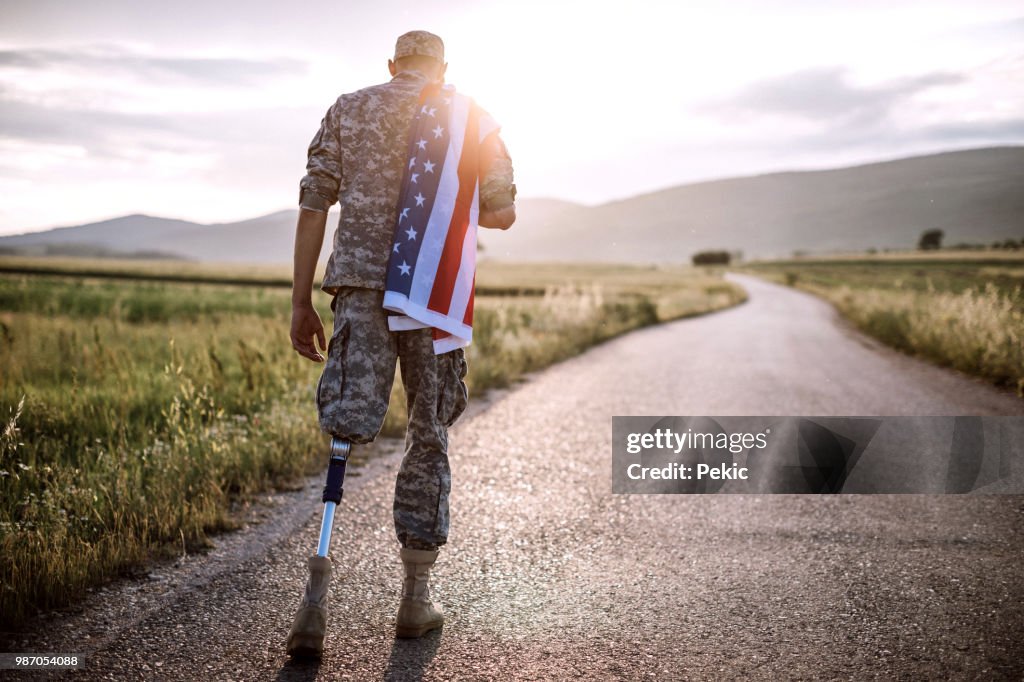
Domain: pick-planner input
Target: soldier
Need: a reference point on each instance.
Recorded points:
(357, 157)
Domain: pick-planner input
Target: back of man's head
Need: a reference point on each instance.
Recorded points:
(417, 62)
(421, 43)
(421, 51)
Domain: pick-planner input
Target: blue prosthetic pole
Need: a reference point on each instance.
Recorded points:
(333, 490)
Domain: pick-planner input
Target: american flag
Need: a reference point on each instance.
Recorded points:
(432, 268)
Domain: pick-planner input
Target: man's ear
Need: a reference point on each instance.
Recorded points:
(391, 67)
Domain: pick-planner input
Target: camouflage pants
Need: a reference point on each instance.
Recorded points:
(352, 398)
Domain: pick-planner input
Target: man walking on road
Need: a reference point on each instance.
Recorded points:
(366, 156)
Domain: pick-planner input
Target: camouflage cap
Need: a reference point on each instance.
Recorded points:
(419, 42)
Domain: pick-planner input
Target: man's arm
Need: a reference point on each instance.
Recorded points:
(500, 218)
(497, 191)
(306, 324)
(318, 191)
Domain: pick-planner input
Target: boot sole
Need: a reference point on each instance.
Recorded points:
(306, 646)
(406, 632)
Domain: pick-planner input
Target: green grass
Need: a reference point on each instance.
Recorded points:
(965, 313)
(132, 412)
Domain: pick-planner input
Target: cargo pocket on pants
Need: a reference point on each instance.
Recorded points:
(333, 366)
(454, 395)
(332, 382)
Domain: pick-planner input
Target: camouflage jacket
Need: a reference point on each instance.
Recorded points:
(357, 158)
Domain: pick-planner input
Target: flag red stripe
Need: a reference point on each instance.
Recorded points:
(429, 90)
(451, 254)
(467, 319)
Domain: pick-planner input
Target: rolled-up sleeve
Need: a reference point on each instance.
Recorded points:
(497, 186)
(318, 189)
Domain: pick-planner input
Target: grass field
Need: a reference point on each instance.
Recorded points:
(959, 309)
(137, 401)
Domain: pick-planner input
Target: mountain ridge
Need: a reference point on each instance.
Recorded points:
(974, 195)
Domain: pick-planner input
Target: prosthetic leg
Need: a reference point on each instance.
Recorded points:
(306, 638)
(333, 491)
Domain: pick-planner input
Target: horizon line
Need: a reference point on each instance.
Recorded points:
(663, 188)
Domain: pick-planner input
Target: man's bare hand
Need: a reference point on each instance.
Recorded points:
(306, 326)
(499, 219)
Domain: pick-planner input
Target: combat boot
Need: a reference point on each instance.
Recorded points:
(307, 636)
(417, 615)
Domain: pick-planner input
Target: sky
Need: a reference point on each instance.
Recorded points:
(204, 110)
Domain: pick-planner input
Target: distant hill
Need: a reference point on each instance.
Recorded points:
(266, 239)
(973, 196)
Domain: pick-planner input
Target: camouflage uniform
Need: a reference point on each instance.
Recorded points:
(358, 157)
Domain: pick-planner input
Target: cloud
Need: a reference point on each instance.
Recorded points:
(117, 103)
(211, 71)
(819, 117)
(91, 129)
(123, 135)
(78, 114)
(825, 95)
(1010, 130)
(886, 140)
(1008, 30)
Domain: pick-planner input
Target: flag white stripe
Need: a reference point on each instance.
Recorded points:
(449, 343)
(457, 123)
(397, 301)
(402, 323)
(487, 126)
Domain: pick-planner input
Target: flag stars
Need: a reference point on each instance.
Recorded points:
(412, 234)
(414, 176)
(438, 131)
(419, 199)
(412, 162)
(432, 111)
(422, 144)
(405, 214)
(404, 267)
(395, 247)
(428, 167)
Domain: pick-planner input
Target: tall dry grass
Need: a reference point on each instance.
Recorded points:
(976, 331)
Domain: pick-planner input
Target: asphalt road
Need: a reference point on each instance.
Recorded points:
(548, 575)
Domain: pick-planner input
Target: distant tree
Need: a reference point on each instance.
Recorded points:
(871, 250)
(711, 258)
(930, 239)
(1011, 244)
(997, 245)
